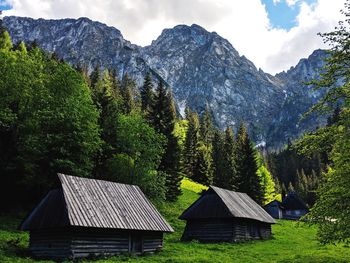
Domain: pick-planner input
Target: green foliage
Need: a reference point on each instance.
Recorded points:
(332, 208)
(202, 170)
(198, 160)
(247, 180)
(162, 115)
(228, 178)
(191, 143)
(142, 149)
(147, 96)
(290, 165)
(5, 41)
(266, 182)
(206, 128)
(218, 160)
(48, 123)
(130, 95)
(192, 186)
(180, 130)
(108, 101)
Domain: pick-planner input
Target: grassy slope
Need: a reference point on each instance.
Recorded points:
(291, 242)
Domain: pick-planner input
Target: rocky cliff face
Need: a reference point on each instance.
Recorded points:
(202, 68)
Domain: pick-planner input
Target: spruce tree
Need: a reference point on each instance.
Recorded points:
(158, 116)
(162, 115)
(228, 177)
(116, 89)
(206, 128)
(218, 160)
(290, 188)
(147, 96)
(5, 41)
(171, 158)
(129, 94)
(246, 164)
(108, 107)
(202, 170)
(95, 76)
(301, 185)
(191, 143)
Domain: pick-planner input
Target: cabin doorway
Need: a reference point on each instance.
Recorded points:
(136, 245)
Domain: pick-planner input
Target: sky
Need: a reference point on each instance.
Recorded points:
(274, 34)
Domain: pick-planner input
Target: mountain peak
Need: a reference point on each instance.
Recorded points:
(202, 68)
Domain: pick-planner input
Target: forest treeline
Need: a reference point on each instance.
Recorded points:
(56, 118)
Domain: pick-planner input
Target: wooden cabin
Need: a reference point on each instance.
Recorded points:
(87, 217)
(274, 209)
(221, 215)
(292, 207)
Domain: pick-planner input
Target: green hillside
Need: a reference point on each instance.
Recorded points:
(292, 242)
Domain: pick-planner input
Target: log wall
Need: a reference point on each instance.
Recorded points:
(235, 230)
(52, 243)
(75, 243)
(209, 231)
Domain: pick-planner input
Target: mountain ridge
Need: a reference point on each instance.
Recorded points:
(203, 69)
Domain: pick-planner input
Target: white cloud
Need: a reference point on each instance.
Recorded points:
(292, 2)
(244, 23)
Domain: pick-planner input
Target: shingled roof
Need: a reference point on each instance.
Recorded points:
(221, 203)
(87, 202)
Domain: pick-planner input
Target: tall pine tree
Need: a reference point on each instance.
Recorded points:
(228, 177)
(217, 157)
(203, 166)
(163, 117)
(147, 96)
(130, 95)
(107, 102)
(246, 164)
(191, 143)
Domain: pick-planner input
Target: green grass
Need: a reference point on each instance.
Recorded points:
(291, 242)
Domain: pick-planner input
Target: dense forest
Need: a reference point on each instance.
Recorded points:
(55, 117)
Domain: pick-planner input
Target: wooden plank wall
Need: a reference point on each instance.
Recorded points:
(225, 231)
(152, 242)
(52, 243)
(99, 243)
(208, 231)
(75, 243)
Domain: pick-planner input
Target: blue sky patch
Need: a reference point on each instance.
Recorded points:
(281, 15)
(4, 6)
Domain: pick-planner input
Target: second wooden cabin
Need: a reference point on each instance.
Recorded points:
(221, 215)
(292, 207)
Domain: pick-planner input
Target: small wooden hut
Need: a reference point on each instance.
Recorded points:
(88, 217)
(221, 215)
(274, 209)
(292, 207)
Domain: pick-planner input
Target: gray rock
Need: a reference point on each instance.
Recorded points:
(202, 68)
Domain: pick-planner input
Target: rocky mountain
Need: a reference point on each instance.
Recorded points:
(202, 68)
